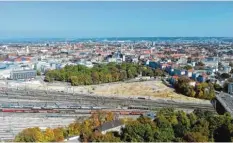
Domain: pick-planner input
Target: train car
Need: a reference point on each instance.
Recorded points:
(86, 107)
(53, 111)
(136, 113)
(49, 107)
(15, 110)
(28, 106)
(124, 112)
(63, 107)
(138, 107)
(42, 111)
(16, 106)
(6, 106)
(36, 108)
(67, 111)
(30, 111)
(98, 108)
(75, 107)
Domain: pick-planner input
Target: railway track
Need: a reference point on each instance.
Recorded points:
(42, 96)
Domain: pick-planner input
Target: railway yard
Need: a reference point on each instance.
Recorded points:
(55, 99)
(45, 108)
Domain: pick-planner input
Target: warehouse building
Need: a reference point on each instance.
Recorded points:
(23, 74)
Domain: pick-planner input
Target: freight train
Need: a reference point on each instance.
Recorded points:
(51, 107)
(71, 111)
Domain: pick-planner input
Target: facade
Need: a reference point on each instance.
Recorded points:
(230, 88)
(227, 69)
(188, 73)
(201, 78)
(23, 74)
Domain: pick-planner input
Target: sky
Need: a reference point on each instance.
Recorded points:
(115, 19)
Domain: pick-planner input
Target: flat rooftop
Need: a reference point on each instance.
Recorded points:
(22, 71)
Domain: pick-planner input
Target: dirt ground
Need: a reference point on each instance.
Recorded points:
(146, 89)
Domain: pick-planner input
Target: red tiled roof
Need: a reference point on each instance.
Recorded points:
(175, 76)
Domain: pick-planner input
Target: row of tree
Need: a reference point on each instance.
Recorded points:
(168, 126)
(102, 73)
(37, 135)
(202, 90)
(79, 127)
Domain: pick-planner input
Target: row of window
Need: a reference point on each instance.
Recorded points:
(23, 75)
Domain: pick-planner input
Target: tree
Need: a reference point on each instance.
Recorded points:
(180, 130)
(147, 72)
(140, 130)
(48, 135)
(133, 71)
(182, 86)
(130, 74)
(95, 77)
(74, 129)
(74, 80)
(109, 77)
(224, 129)
(201, 126)
(195, 137)
(220, 65)
(30, 135)
(86, 130)
(58, 134)
(158, 72)
(109, 116)
(217, 87)
(47, 79)
(205, 91)
(169, 126)
(192, 118)
(200, 64)
(222, 134)
(183, 119)
(188, 67)
(38, 73)
(101, 73)
(123, 75)
(165, 132)
(225, 75)
(108, 137)
(115, 76)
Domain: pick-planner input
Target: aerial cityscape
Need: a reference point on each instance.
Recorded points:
(116, 71)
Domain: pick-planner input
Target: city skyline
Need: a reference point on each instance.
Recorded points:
(115, 19)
